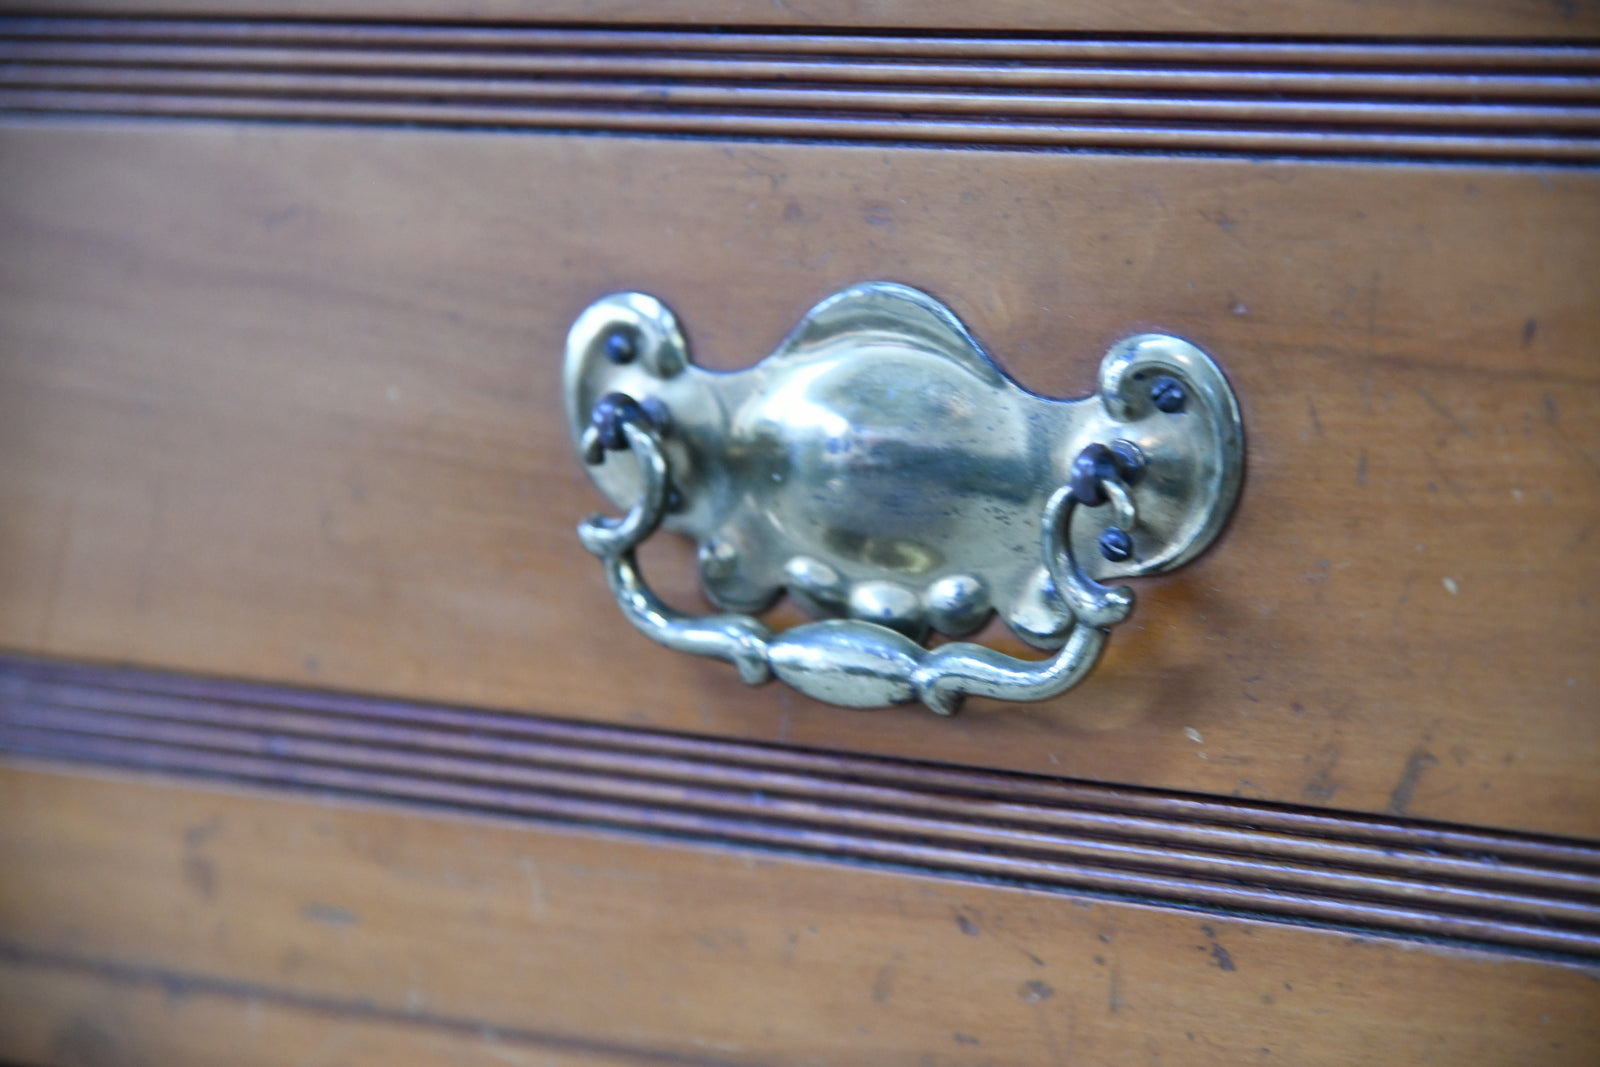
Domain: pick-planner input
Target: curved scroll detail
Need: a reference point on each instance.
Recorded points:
(739, 639)
(847, 661)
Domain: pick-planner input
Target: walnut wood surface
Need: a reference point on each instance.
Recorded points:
(120, 931)
(1314, 18)
(284, 403)
(1531, 101)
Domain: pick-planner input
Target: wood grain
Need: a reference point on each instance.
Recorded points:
(72, 1011)
(1524, 102)
(1313, 18)
(1397, 877)
(446, 923)
(284, 404)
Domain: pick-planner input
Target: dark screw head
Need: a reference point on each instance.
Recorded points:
(620, 346)
(1090, 467)
(1168, 394)
(610, 412)
(1115, 544)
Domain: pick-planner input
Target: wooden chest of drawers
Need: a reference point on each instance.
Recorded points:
(326, 743)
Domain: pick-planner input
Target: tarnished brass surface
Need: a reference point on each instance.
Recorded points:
(880, 468)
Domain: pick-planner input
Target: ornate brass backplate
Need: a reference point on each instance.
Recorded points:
(883, 470)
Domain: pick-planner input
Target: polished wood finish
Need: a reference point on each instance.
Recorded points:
(283, 403)
(1396, 876)
(1529, 102)
(529, 934)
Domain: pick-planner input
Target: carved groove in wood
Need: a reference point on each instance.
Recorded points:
(1398, 877)
(1511, 102)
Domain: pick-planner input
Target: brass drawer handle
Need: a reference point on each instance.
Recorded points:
(883, 470)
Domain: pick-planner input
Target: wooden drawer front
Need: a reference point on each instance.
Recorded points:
(322, 740)
(283, 403)
(261, 925)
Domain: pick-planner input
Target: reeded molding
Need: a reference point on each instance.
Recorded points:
(1396, 877)
(1492, 101)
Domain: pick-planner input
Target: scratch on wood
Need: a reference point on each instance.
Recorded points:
(883, 983)
(1445, 413)
(1219, 955)
(1033, 991)
(200, 875)
(1404, 789)
(329, 915)
(1224, 960)
(1438, 471)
